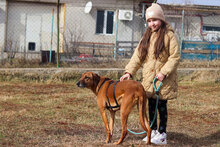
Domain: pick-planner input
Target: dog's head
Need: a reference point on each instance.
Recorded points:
(89, 80)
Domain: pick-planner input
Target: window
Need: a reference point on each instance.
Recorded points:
(211, 28)
(31, 46)
(104, 22)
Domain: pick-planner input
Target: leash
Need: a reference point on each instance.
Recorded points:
(155, 114)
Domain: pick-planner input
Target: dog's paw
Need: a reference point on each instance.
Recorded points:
(107, 141)
(148, 143)
(117, 143)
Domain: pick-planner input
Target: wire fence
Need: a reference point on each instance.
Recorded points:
(99, 30)
(201, 35)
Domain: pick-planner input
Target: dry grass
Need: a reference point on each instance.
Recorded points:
(101, 63)
(199, 64)
(43, 114)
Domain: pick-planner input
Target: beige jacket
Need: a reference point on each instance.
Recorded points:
(166, 64)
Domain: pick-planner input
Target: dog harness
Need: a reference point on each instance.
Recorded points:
(106, 79)
(109, 105)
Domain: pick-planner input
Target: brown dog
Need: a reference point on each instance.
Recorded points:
(114, 96)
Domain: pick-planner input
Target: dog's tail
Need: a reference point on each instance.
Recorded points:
(143, 116)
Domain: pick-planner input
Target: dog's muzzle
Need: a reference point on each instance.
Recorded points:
(80, 84)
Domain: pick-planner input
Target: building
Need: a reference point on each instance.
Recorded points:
(30, 26)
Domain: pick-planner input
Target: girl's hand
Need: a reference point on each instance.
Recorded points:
(125, 76)
(160, 76)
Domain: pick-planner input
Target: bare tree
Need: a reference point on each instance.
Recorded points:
(11, 49)
(72, 41)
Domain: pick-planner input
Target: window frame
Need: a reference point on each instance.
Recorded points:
(105, 22)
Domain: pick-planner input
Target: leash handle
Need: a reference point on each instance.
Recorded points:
(154, 85)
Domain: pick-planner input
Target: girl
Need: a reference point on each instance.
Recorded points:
(158, 54)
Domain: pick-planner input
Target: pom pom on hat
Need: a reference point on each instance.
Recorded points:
(155, 11)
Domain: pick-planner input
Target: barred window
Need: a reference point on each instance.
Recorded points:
(104, 22)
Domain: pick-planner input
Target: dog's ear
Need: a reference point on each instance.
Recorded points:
(96, 77)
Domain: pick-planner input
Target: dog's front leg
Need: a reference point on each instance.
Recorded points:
(104, 117)
(111, 124)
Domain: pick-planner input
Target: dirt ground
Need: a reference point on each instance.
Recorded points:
(60, 114)
(43, 107)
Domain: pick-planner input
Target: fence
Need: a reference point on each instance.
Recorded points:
(200, 40)
(200, 50)
(108, 30)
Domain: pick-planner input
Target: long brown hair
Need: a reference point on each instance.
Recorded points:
(159, 44)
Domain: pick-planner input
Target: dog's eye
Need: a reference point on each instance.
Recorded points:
(87, 78)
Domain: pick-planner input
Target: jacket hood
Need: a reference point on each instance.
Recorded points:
(169, 28)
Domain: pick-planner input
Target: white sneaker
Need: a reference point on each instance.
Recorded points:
(153, 134)
(160, 139)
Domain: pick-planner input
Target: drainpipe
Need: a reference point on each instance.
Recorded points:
(64, 23)
(116, 35)
(201, 25)
(51, 43)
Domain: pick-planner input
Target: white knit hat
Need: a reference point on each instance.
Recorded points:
(155, 11)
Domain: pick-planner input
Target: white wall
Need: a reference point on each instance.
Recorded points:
(30, 22)
(77, 20)
(2, 22)
(21, 16)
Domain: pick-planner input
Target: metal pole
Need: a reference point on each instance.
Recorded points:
(182, 33)
(212, 46)
(51, 43)
(58, 31)
(217, 52)
(116, 35)
(25, 38)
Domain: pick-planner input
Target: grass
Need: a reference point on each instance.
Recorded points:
(60, 114)
(100, 63)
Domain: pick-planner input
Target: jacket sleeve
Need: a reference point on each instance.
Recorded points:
(134, 63)
(174, 56)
